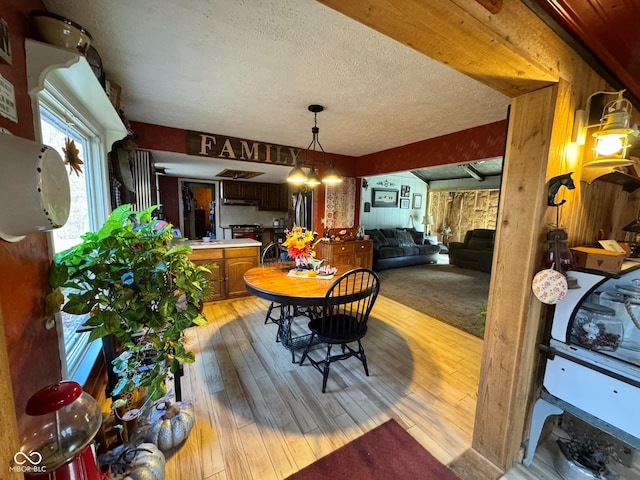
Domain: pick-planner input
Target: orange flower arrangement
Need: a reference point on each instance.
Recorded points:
(299, 243)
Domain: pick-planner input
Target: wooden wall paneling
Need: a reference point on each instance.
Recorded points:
(519, 219)
(9, 444)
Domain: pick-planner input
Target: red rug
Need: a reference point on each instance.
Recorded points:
(386, 452)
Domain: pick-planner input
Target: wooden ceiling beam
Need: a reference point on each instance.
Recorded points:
(511, 51)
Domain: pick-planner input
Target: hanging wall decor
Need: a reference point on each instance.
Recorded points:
(5, 43)
(34, 190)
(72, 157)
(340, 202)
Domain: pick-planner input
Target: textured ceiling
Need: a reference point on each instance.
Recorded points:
(249, 69)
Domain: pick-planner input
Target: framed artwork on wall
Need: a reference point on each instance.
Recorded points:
(384, 197)
(404, 190)
(404, 203)
(5, 45)
(417, 201)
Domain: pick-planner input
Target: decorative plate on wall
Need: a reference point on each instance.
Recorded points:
(34, 189)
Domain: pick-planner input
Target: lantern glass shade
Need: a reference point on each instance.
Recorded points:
(612, 137)
(297, 175)
(331, 176)
(312, 179)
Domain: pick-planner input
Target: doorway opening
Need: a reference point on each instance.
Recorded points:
(199, 210)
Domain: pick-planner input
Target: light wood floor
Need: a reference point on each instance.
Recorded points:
(261, 417)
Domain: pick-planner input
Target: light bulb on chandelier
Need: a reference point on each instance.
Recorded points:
(312, 179)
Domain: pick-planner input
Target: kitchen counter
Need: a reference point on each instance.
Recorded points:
(232, 243)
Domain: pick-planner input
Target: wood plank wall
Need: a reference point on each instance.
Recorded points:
(589, 207)
(9, 431)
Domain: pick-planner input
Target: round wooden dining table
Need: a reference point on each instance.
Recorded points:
(297, 296)
(271, 282)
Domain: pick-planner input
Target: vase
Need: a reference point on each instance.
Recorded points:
(303, 263)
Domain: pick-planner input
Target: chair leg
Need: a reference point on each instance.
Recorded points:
(306, 349)
(284, 313)
(325, 371)
(363, 357)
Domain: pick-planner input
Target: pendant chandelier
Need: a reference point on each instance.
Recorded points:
(312, 179)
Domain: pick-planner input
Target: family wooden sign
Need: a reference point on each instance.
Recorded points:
(231, 148)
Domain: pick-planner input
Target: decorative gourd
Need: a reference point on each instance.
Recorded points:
(170, 423)
(127, 462)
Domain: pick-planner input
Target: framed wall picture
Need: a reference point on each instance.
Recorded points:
(404, 203)
(404, 190)
(417, 201)
(384, 197)
(5, 45)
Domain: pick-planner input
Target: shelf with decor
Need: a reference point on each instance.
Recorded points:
(46, 62)
(628, 182)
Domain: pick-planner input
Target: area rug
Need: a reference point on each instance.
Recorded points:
(449, 293)
(383, 453)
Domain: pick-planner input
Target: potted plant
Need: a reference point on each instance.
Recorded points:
(136, 286)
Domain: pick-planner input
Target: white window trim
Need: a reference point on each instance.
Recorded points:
(64, 81)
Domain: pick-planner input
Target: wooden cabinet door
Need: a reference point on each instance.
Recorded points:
(343, 254)
(363, 254)
(216, 278)
(235, 268)
(283, 197)
(239, 190)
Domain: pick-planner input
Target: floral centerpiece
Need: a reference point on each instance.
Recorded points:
(300, 245)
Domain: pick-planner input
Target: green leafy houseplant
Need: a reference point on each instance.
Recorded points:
(136, 286)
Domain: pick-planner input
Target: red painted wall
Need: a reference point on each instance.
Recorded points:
(485, 141)
(170, 199)
(32, 349)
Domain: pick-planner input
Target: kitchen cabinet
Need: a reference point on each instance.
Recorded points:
(238, 261)
(227, 266)
(239, 190)
(268, 196)
(356, 253)
(273, 197)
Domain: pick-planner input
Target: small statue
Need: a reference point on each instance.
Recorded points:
(554, 185)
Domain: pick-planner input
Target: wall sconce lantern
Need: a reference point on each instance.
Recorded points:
(608, 146)
(312, 179)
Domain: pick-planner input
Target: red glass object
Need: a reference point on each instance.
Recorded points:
(57, 435)
(558, 255)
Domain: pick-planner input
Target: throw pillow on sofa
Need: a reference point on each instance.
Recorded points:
(418, 237)
(379, 240)
(390, 235)
(405, 239)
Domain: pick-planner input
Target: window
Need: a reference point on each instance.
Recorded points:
(59, 121)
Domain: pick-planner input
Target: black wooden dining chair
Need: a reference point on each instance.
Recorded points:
(273, 253)
(343, 320)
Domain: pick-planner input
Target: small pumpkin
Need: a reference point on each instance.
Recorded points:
(171, 424)
(142, 462)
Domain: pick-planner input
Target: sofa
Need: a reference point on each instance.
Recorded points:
(397, 247)
(475, 252)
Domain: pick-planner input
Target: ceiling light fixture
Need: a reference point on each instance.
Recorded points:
(297, 174)
(612, 140)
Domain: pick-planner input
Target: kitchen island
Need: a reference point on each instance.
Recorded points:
(227, 260)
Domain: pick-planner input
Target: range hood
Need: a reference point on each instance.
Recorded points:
(238, 201)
